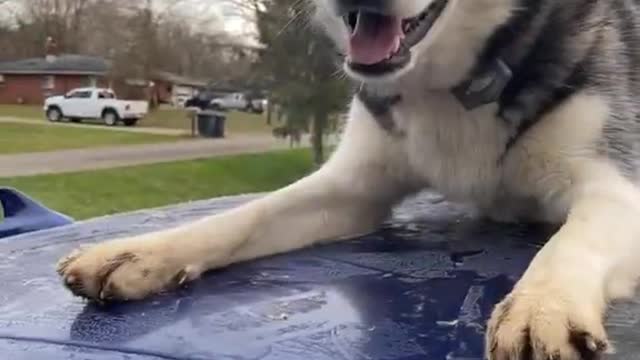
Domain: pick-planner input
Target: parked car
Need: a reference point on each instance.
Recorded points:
(94, 103)
(201, 101)
(238, 101)
(260, 105)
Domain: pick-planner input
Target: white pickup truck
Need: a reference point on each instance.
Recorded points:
(94, 103)
(237, 101)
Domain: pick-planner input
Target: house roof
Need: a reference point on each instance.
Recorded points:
(179, 79)
(63, 64)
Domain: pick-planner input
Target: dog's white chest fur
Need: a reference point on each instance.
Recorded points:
(456, 151)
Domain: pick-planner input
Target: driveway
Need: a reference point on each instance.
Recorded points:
(111, 157)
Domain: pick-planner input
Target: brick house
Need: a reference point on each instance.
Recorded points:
(174, 89)
(30, 81)
(162, 88)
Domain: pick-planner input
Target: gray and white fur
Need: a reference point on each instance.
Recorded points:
(560, 144)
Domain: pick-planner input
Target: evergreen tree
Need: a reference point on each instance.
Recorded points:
(301, 64)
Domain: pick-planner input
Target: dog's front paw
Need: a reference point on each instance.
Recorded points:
(545, 325)
(130, 269)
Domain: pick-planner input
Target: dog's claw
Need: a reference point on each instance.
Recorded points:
(70, 280)
(183, 279)
(588, 346)
(593, 346)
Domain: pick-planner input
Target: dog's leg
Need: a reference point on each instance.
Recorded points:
(349, 196)
(556, 310)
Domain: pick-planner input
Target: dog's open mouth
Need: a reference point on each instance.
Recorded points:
(380, 44)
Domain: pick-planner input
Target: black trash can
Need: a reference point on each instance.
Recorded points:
(211, 124)
(221, 119)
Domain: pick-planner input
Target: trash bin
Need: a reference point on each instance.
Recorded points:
(219, 125)
(211, 124)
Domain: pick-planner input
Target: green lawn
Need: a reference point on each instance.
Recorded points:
(22, 111)
(89, 194)
(237, 122)
(21, 138)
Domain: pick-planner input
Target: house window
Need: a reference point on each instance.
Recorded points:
(49, 82)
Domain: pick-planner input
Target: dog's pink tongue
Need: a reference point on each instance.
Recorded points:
(376, 38)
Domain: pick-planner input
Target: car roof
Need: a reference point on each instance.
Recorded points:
(91, 89)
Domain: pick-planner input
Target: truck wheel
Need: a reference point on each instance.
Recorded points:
(54, 114)
(110, 118)
(130, 122)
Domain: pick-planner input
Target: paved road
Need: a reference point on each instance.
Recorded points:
(139, 129)
(111, 157)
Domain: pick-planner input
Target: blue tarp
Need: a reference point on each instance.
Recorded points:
(419, 289)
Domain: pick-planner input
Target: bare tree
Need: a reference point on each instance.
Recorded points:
(60, 19)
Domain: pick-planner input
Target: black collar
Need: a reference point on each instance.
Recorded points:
(485, 85)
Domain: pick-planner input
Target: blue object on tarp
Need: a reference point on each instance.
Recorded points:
(421, 288)
(22, 214)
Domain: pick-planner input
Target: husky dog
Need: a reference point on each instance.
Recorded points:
(526, 108)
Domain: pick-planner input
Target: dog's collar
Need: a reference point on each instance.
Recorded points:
(380, 108)
(485, 85)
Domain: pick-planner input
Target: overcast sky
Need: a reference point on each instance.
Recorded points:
(221, 9)
(233, 22)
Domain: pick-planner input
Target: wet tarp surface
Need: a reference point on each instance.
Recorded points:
(420, 288)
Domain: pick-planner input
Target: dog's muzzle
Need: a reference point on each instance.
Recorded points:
(380, 42)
